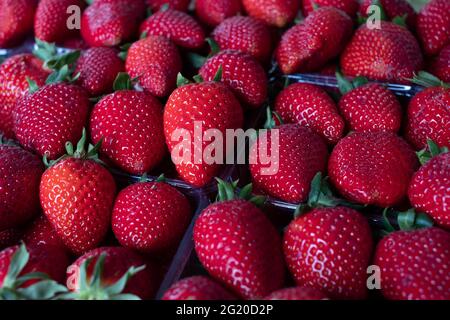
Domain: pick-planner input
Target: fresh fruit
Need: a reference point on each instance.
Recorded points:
(372, 168)
(41, 232)
(277, 13)
(215, 12)
(180, 5)
(440, 65)
(348, 6)
(297, 293)
(80, 207)
(20, 175)
(433, 23)
(308, 46)
(388, 53)
(155, 63)
(13, 85)
(46, 119)
(413, 265)
(17, 21)
(310, 106)
(329, 249)
(242, 73)
(392, 9)
(178, 26)
(197, 288)
(245, 34)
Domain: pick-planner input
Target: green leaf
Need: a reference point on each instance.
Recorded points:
(60, 75)
(118, 287)
(400, 20)
(196, 60)
(164, 7)
(125, 296)
(33, 87)
(18, 262)
(31, 276)
(98, 270)
(42, 290)
(122, 82)
(427, 80)
(45, 51)
(359, 82)
(181, 80)
(386, 222)
(406, 219)
(218, 75)
(214, 47)
(344, 85)
(314, 193)
(58, 62)
(430, 152)
(383, 15)
(143, 35)
(198, 79)
(246, 191)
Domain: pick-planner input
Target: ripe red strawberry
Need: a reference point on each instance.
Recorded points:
(178, 26)
(197, 288)
(214, 106)
(117, 262)
(45, 120)
(10, 237)
(17, 21)
(41, 232)
(276, 13)
(433, 23)
(238, 245)
(245, 34)
(297, 293)
(242, 73)
(414, 265)
(310, 106)
(330, 249)
(80, 207)
(180, 5)
(440, 65)
(50, 22)
(20, 174)
(75, 44)
(392, 9)
(213, 13)
(150, 216)
(309, 45)
(155, 62)
(13, 85)
(348, 6)
(98, 68)
(372, 168)
(108, 23)
(390, 53)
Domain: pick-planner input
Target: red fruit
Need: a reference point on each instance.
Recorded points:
(348, 6)
(197, 288)
(242, 73)
(309, 45)
(9, 237)
(371, 107)
(108, 23)
(429, 117)
(117, 262)
(245, 34)
(155, 62)
(414, 265)
(213, 13)
(392, 9)
(41, 232)
(297, 293)
(17, 21)
(433, 23)
(372, 168)
(390, 53)
(45, 120)
(214, 106)
(13, 85)
(238, 245)
(180, 5)
(131, 126)
(20, 174)
(276, 13)
(310, 106)
(75, 44)
(98, 68)
(151, 216)
(440, 65)
(52, 17)
(178, 26)
(329, 249)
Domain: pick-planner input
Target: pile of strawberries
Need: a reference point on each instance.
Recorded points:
(114, 102)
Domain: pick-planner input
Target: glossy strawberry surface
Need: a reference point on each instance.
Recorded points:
(197, 288)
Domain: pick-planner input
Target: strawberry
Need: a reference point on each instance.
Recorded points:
(155, 62)
(245, 34)
(297, 293)
(10, 237)
(309, 45)
(414, 265)
(433, 23)
(215, 107)
(310, 106)
(41, 232)
(440, 65)
(47, 118)
(20, 174)
(108, 23)
(116, 264)
(180, 5)
(392, 9)
(277, 13)
(242, 73)
(150, 216)
(390, 53)
(372, 168)
(329, 249)
(213, 13)
(80, 207)
(13, 85)
(17, 21)
(98, 68)
(178, 26)
(348, 6)
(197, 288)
(51, 20)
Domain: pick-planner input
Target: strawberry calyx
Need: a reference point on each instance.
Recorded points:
(197, 60)
(345, 85)
(428, 80)
(182, 80)
(4, 141)
(398, 20)
(123, 81)
(405, 220)
(273, 119)
(432, 150)
(228, 191)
